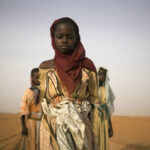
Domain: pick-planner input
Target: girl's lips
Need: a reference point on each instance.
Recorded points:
(64, 46)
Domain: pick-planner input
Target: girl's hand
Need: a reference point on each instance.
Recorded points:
(24, 131)
(110, 132)
(98, 106)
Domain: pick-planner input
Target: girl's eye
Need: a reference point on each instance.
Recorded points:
(59, 36)
(70, 37)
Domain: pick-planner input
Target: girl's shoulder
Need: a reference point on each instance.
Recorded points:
(48, 64)
(27, 93)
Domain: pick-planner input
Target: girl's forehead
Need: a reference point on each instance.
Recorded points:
(102, 71)
(35, 73)
(64, 26)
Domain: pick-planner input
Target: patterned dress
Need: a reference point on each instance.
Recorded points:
(104, 121)
(66, 123)
(33, 115)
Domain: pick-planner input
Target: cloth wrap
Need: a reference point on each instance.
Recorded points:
(69, 122)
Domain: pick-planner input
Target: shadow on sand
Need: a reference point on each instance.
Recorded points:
(136, 147)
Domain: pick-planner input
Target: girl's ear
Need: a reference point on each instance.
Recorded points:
(31, 80)
(77, 39)
(76, 42)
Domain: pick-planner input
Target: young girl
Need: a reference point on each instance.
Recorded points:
(106, 94)
(68, 87)
(30, 113)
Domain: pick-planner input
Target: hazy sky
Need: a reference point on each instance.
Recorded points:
(115, 34)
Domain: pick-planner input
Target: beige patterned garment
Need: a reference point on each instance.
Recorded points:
(65, 124)
(31, 111)
(100, 124)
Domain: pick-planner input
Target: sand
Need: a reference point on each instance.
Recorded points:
(130, 133)
(10, 128)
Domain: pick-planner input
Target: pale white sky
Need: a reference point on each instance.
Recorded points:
(115, 34)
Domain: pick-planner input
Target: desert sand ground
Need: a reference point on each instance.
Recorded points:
(130, 133)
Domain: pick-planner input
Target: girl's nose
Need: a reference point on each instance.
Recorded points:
(64, 39)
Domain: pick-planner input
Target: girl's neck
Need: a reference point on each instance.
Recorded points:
(35, 86)
(101, 83)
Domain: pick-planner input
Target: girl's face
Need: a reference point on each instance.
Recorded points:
(35, 79)
(102, 75)
(64, 38)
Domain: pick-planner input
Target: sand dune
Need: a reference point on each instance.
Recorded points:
(10, 128)
(130, 133)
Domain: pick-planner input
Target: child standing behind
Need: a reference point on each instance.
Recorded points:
(30, 113)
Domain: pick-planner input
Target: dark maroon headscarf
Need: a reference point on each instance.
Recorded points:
(69, 67)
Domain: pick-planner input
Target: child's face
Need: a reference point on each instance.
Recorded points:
(35, 79)
(102, 75)
(65, 38)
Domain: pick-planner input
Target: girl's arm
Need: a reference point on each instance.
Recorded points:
(24, 128)
(24, 110)
(110, 130)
